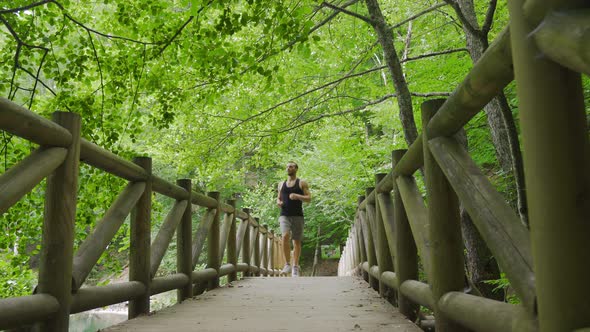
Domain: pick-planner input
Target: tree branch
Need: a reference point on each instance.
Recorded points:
(332, 15)
(487, 25)
(181, 28)
(33, 5)
(66, 15)
(462, 17)
(101, 78)
(291, 43)
(353, 110)
(428, 55)
(415, 16)
(250, 118)
(329, 115)
(348, 12)
(37, 78)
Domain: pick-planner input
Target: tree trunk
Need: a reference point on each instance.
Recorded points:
(480, 263)
(500, 120)
(404, 99)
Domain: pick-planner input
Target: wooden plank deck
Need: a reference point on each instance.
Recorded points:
(279, 304)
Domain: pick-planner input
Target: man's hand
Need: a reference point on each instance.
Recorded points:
(293, 197)
(279, 203)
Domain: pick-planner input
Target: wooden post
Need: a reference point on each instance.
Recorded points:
(406, 258)
(384, 256)
(355, 252)
(445, 228)
(281, 256)
(367, 220)
(272, 251)
(246, 242)
(57, 246)
(213, 260)
(257, 236)
(361, 237)
(139, 249)
(370, 210)
(557, 172)
(184, 242)
(264, 249)
(232, 256)
(350, 255)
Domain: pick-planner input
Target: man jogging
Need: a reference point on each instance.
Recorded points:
(291, 195)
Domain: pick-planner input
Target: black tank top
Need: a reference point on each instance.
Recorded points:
(291, 207)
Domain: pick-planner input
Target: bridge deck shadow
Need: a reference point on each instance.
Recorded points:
(279, 304)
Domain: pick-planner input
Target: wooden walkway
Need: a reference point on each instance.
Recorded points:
(279, 304)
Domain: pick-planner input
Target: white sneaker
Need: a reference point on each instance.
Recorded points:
(295, 271)
(286, 269)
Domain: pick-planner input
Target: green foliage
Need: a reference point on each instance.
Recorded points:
(503, 284)
(330, 251)
(224, 93)
(15, 278)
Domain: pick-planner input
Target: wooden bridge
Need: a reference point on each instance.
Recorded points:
(393, 232)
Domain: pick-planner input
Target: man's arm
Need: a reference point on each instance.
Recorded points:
(279, 201)
(306, 197)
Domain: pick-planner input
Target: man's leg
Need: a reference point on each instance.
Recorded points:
(296, 252)
(297, 234)
(287, 247)
(286, 230)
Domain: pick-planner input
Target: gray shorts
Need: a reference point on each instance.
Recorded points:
(294, 224)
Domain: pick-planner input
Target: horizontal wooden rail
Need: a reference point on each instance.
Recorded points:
(390, 279)
(203, 275)
(21, 122)
(20, 179)
(412, 160)
(169, 189)
(374, 271)
(203, 200)
(365, 266)
(418, 292)
(226, 269)
(167, 283)
(109, 162)
(242, 267)
(24, 310)
(99, 296)
(242, 215)
(490, 74)
(484, 315)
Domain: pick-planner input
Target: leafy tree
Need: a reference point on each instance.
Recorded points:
(224, 93)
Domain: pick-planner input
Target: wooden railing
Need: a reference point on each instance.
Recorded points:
(395, 228)
(62, 271)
